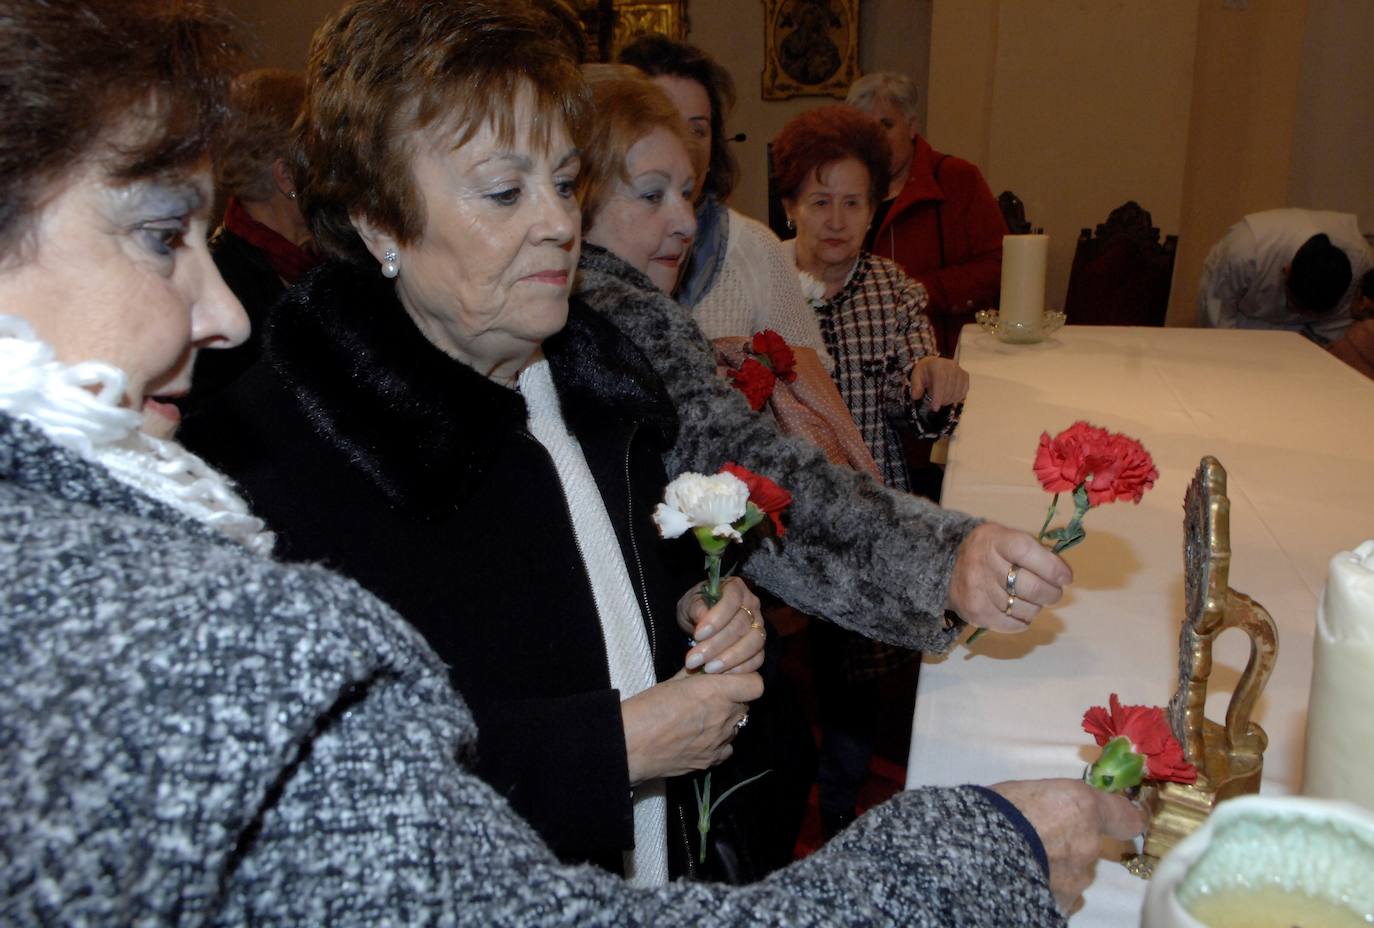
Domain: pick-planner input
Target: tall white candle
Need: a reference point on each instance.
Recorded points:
(1023, 279)
(1340, 714)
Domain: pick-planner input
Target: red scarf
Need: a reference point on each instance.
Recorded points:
(288, 260)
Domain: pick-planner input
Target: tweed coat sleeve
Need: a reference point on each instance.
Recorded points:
(865, 557)
(380, 827)
(199, 736)
(913, 339)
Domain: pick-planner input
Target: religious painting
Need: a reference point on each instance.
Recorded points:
(811, 48)
(631, 19)
(609, 24)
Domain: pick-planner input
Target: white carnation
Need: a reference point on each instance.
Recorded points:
(812, 289)
(694, 500)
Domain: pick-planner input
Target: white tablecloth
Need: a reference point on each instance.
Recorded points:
(1294, 429)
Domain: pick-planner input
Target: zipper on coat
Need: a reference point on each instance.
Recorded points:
(686, 841)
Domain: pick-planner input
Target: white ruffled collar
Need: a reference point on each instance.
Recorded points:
(77, 406)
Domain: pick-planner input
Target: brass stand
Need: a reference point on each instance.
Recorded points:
(1229, 758)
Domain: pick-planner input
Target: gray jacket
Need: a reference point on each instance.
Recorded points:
(865, 557)
(194, 735)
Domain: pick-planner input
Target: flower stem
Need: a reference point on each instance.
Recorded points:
(1054, 504)
(711, 591)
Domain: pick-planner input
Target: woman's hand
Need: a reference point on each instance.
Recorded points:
(1071, 819)
(686, 723)
(978, 586)
(945, 381)
(729, 635)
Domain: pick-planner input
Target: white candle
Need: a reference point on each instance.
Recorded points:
(1340, 713)
(1023, 280)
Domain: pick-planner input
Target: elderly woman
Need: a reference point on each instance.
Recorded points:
(737, 279)
(197, 734)
(638, 205)
(432, 420)
(831, 166)
(263, 246)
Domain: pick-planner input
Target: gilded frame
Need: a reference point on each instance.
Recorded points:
(668, 17)
(811, 48)
(609, 24)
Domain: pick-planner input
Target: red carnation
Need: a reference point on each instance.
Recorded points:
(755, 381)
(1148, 731)
(1061, 461)
(775, 354)
(772, 499)
(1119, 468)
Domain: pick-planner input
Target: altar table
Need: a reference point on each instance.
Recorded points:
(1294, 428)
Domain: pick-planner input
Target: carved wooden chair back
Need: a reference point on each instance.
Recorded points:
(1121, 273)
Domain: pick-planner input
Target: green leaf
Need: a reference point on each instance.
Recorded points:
(726, 795)
(753, 515)
(1073, 534)
(1080, 498)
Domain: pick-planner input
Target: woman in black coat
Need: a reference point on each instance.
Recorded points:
(432, 419)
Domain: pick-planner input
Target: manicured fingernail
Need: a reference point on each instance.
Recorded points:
(695, 660)
(715, 667)
(705, 631)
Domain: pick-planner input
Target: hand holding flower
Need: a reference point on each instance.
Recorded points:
(686, 723)
(1097, 467)
(727, 641)
(977, 586)
(1071, 820)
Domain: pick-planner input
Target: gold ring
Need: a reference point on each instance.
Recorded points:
(1011, 579)
(749, 612)
(1011, 601)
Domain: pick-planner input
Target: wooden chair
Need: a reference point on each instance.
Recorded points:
(1121, 274)
(1013, 213)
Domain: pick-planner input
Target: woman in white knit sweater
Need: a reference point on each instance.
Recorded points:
(738, 280)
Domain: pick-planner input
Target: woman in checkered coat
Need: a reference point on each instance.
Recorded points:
(831, 164)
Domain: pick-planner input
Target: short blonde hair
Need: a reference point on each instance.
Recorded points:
(627, 106)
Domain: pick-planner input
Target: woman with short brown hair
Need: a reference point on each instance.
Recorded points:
(434, 420)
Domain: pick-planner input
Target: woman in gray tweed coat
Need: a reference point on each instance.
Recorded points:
(192, 733)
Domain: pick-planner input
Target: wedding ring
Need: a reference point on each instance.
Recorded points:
(1011, 601)
(743, 721)
(749, 612)
(1011, 580)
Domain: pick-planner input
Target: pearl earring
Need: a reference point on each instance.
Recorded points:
(389, 266)
(791, 226)
(291, 194)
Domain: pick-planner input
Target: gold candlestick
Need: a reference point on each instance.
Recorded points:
(1229, 758)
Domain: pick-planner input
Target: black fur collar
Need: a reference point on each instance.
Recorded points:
(414, 419)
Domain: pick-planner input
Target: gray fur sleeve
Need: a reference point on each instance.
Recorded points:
(856, 553)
